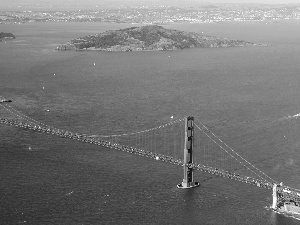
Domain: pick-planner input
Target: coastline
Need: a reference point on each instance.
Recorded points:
(150, 37)
(154, 50)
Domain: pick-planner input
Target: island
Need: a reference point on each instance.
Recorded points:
(149, 38)
(6, 36)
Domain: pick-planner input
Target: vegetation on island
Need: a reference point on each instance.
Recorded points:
(151, 37)
(6, 36)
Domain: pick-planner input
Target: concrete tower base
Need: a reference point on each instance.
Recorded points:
(184, 185)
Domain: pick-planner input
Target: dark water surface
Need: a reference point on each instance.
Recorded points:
(243, 94)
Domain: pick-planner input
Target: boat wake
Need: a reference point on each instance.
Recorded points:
(290, 117)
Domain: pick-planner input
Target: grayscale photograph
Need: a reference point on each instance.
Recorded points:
(145, 112)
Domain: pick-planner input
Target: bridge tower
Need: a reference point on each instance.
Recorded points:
(188, 179)
(275, 198)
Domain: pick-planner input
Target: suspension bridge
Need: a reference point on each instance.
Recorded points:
(185, 142)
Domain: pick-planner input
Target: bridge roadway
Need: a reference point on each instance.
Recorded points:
(293, 194)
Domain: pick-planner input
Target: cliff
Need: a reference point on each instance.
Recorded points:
(150, 37)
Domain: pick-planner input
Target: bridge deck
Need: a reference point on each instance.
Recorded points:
(165, 158)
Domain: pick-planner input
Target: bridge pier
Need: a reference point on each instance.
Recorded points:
(188, 178)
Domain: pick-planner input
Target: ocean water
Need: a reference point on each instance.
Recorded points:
(243, 94)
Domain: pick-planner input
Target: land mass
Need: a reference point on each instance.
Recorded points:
(151, 38)
(151, 12)
(6, 36)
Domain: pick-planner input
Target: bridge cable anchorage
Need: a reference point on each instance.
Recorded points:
(233, 152)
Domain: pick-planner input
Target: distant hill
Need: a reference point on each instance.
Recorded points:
(6, 36)
(57, 5)
(151, 37)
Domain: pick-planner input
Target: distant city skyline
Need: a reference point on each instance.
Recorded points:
(107, 2)
(91, 4)
(146, 13)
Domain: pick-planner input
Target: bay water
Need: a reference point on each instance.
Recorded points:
(243, 94)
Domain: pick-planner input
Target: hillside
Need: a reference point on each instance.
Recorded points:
(150, 37)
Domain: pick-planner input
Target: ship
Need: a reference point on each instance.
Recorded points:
(5, 100)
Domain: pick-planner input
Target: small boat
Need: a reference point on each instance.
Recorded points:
(5, 100)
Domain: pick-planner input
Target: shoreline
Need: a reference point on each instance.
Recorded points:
(159, 24)
(159, 50)
(150, 38)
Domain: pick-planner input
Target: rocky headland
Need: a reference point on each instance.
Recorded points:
(149, 38)
(5, 36)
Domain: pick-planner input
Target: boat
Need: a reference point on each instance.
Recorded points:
(5, 100)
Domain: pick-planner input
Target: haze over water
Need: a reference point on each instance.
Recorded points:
(231, 90)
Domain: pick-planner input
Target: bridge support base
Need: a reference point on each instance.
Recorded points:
(185, 185)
